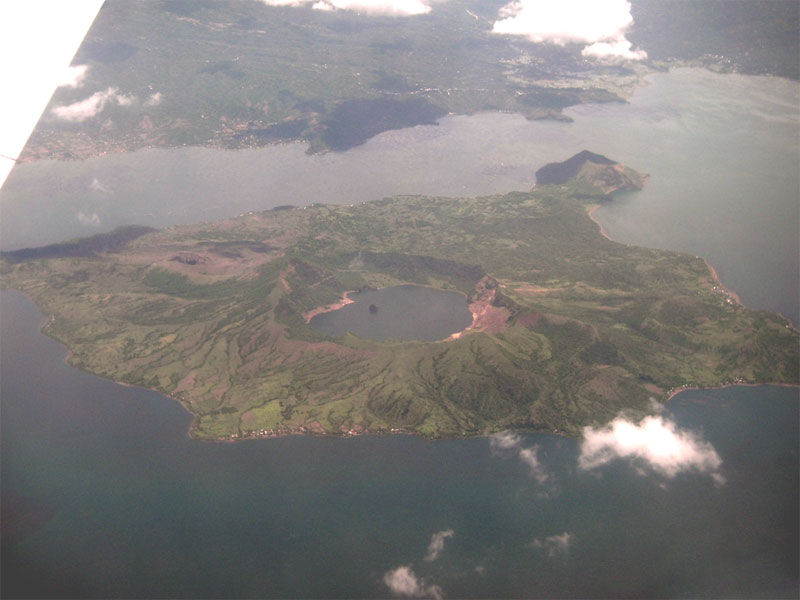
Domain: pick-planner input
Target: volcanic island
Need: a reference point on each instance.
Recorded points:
(569, 327)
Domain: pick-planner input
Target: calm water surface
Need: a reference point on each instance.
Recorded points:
(401, 312)
(104, 495)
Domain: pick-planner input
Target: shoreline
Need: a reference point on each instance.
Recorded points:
(473, 326)
(308, 315)
(351, 433)
(590, 211)
(714, 274)
(721, 287)
(690, 388)
(725, 289)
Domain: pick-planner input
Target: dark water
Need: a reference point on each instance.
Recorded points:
(104, 495)
(401, 312)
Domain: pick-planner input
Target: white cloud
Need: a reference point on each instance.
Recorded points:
(437, 544)
(37, 43)
(74, 76)
(615, 49)
(383, 7)
(655, 442)
(506, 441)
(123, 100)
(403, 582)
(555, 545)
(98, 186)
(393, 8)
(530, 457)
(89, 219)
(91, 106)
(153, 100)
(600, 24)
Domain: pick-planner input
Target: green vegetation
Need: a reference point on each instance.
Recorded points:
(242, 74)
(591, 175)
(572, 327)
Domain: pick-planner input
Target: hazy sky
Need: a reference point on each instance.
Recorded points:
(38, 39)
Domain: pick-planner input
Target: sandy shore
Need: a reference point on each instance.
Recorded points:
(603, 232)
(329, 307)
(731, 294)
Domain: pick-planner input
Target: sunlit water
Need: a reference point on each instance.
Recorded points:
(104, 495)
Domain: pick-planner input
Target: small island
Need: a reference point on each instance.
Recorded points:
(568, 327)
(591, 175)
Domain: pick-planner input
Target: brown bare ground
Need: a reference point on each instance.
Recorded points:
(529, 319)
(652, 387)
(485, 316)
(534, 290)
(308, 315)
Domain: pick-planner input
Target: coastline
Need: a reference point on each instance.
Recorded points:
(690, 388)
(345, 299)
(733, 296)
(590, 211)
(725, 290)
(729, 293)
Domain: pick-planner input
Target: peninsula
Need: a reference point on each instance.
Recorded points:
(570, 327)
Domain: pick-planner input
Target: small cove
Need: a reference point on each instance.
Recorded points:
(402, 313)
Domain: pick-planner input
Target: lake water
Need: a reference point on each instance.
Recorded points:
(402, 312)
(103, 494)
(722, 151)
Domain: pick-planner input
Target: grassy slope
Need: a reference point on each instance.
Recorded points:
(212, 314)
